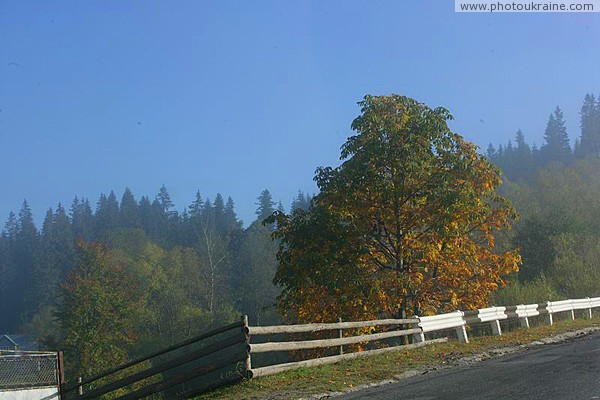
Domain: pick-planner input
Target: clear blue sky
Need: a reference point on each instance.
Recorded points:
(235, 97)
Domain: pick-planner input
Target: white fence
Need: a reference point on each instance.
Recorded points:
(416, 327)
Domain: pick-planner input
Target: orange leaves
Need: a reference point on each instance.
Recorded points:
(405, 225)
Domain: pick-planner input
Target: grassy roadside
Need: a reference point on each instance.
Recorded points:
(348, 374)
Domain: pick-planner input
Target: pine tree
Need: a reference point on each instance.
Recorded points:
(107, 214)
(26, 226)
(63, 240)
(129, 214)
(266, 205)
(11, 227)
(557, 147)
(523, 160)
(57, 254)
(26, 256)
(196, 206)
(158, 219)
(491, 153)
(207, 212)
(230, 218)
(255, 266)
(145, 213)
(590, 127)
(8, 274)
(301, 201)
(164, 199)
(219, 214)
(535, 155)
(82, 219)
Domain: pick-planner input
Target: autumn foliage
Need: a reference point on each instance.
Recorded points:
(97, 302)
(404, 226)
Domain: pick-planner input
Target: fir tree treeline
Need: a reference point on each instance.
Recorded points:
(555, 188)
(187, 270)
(520, 160)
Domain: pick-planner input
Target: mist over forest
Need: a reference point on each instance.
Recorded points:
(171, 272)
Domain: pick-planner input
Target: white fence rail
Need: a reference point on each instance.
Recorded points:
(416, 327)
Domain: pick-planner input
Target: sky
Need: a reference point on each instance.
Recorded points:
(238, 96)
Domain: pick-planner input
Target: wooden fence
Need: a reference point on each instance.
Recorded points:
(223, 356)
(404, 327)
(185, 370)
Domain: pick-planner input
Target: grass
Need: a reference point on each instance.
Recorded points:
(371, 369)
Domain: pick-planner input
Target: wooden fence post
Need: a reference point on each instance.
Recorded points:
(61, 375)
(245, 331)
(341, 335)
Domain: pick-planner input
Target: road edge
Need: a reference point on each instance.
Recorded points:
(463, 361)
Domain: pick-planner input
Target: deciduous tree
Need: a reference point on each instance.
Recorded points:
(404, 226)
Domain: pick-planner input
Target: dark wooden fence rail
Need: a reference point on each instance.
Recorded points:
(199, 358)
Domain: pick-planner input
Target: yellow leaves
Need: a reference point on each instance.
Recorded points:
(397, 226)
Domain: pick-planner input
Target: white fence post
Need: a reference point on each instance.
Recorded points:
(461, 332)
(524, 322)
(496, 330)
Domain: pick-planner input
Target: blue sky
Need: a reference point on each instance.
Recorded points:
(235, 97)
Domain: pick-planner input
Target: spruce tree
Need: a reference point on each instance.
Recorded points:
(9, 316)
(196, 206)
(26, 256)
(301, 201)
(107, 214)
(491, 153)
(219, 214)
(82, 219)
(128, 213)
(523, 160)
(590, 128)
(10, 227)
(266, 205)
(230, 218)
(556, 148)
(207, 212)
(164, 199)
(63, 240)
(145, 213)
(56, 258)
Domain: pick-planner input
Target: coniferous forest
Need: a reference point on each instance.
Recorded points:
(556, 190)
(178, 272)
(145, 275)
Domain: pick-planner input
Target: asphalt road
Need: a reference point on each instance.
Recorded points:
(569, 370)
